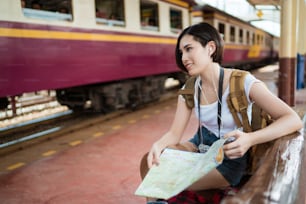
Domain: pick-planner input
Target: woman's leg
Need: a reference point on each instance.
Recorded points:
(186, 146)
(212, 180)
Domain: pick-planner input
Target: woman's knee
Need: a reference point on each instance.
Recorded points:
(212, 180)
(144, 166)
(185, 146)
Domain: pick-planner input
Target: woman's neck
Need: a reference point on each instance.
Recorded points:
(211, 75)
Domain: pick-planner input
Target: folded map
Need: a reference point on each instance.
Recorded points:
(178, 169)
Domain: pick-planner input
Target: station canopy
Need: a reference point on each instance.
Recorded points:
(264, 14)
(264, 2)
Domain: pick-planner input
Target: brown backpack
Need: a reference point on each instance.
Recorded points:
(237, 103)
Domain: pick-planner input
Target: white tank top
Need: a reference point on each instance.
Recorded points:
(209, 112)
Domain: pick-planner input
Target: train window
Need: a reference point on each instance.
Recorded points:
(247, 37)
(258, 39)
(268, 41)
(110, 12)
(240, 35)
(253, 39)
(232, 33)
(48, 10)
(149, 15)
(176, 20)
(221, 29)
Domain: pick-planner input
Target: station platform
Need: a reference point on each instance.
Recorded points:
(104, 170)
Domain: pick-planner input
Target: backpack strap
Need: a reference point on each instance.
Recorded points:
(265, 118)
(237, 100)
(188, 92)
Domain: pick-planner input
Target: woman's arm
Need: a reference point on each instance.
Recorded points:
(174, 134)
(285, 122)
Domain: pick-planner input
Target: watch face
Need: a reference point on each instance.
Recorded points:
(203, 148)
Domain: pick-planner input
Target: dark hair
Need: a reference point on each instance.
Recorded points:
(203, 33)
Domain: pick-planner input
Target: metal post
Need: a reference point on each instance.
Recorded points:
(287, 63)
(13, 104)
(301, 40)
(302, 32)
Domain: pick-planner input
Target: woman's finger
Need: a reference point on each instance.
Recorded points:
(230, 146)
(149, 160)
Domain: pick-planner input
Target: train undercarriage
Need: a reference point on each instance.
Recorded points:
(108, 97)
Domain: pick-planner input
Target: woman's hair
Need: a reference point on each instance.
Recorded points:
(203, 33)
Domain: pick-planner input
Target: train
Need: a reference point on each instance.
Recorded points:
(110, 54)
(246, 46)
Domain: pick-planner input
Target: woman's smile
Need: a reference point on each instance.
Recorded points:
(188, 65)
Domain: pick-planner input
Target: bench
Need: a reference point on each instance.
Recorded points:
(280, 176)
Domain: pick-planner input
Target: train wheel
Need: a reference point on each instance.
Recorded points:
(4, 102)
(76, 108)
(134, 99)
(107, 104)
(154, 95)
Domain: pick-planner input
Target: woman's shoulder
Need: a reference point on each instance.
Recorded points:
(249, 77)
(227, 76)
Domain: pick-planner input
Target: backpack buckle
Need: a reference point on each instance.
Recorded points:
(243, 108)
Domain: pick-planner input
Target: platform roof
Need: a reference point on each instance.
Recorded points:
(264, 14)
(268, 11)
(264, 2)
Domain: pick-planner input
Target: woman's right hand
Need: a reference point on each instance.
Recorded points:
(154, 154)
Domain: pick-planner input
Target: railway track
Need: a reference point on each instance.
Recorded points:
(36, 131)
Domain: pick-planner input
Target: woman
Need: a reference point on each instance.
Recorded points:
(199, 52)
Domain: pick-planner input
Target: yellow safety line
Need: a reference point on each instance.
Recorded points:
(74, 143)
(98, 134)
(145, 116)
(15, 166)
(49, 153)
(132, 121)
(157, 111)
(116, 127)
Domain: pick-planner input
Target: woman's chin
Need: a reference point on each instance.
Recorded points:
(192, 73)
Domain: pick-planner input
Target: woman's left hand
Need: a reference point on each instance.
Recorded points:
(239, 146)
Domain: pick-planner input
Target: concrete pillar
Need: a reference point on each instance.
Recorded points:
(302, 27)
(287, 54)
(301, 38)
(302, 33)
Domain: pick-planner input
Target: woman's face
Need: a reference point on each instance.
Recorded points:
(195, 57)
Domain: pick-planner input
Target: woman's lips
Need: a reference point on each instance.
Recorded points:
(188, 66)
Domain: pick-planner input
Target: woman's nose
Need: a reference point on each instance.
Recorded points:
(184, 57)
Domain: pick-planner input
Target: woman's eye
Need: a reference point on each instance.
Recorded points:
(188, 49)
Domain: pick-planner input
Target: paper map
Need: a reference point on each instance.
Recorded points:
(179, 169)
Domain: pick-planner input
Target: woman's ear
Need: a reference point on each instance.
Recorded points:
(211, 47)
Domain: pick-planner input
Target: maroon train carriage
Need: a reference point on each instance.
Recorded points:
(109, 53)
(246, 47)
(105, 53)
